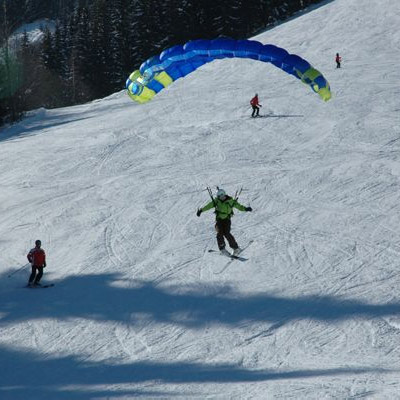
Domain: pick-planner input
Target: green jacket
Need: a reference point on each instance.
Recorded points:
(223, 209)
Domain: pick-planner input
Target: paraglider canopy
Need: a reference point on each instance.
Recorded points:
(160, 71)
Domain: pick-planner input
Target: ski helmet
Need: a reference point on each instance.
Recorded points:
(38, 243)
(221, 193)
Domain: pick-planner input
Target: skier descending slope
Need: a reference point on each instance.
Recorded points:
(37, 258)
(255, 105)
(338, 60)
(224, 205)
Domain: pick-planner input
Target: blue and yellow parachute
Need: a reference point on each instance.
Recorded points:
(176, 62)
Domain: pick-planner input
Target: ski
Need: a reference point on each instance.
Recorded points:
(232, 258)
(40, 286)
(229, 256)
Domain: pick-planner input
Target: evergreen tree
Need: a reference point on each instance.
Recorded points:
(80, 51)
(48, 56)
(97, 43)
(10, 75)
(97, 54)
(231, 22)
(175, 24)
(115, 45)
(129, 44)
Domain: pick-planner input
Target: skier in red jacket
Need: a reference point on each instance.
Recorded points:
(37, 258)
(255, 105)
(338, 60)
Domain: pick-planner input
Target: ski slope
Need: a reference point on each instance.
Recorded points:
(140, 308)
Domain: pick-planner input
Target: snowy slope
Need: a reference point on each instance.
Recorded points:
(140, 308)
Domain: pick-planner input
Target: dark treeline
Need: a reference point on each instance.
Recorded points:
(97, 43)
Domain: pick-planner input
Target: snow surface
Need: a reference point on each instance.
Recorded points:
(140, 308)
(34, 31)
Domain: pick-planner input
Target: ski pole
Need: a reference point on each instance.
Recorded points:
(19, 269)
(237, 194)
(210, 193)
(212, 199)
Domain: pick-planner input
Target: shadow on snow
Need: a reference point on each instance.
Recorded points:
(280, 116)
(106, 297)
(30, 126)
(70, 378)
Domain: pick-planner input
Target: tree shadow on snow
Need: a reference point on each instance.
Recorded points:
(280, 116)
(71, 378)
(109, 297)
(33, 125)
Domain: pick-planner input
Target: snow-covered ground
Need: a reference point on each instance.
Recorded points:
(140, 308)
(34, 32)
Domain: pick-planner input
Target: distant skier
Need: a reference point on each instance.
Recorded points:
(338, 60)
(255, 106)
(37, 258)
(224, 205)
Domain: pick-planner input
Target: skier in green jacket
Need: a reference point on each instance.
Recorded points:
(224, 205)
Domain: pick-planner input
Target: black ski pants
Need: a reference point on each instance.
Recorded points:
(256, 111)
(223, 228)
(35, 277)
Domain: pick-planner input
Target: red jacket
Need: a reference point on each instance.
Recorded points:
(37, 257)
(338, 58)
(254, 101)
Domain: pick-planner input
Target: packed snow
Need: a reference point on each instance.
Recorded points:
(140, 308)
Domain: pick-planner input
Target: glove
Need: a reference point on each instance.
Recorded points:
(198, 212)
(249, 209)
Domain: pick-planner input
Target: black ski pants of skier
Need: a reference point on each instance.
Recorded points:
(34, 277)
(223, 228)
(256, 111)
